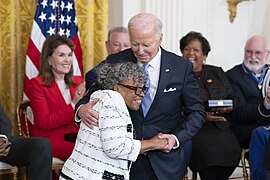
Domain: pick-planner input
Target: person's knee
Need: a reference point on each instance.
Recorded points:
(268, 173)
(43, 146)
(259, 135)
(257, 132)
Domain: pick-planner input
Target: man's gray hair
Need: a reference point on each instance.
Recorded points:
(113, 74)
(119, 29)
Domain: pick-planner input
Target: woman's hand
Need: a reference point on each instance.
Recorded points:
(222, 110)
(215, 114)
(79, 93)
(211, 116)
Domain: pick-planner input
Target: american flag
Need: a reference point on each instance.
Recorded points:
(52, 17)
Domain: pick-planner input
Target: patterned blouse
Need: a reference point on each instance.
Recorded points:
(105, 151)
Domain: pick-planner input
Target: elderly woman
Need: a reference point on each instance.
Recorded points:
(216, 151)
(106, 151)
(54, 93)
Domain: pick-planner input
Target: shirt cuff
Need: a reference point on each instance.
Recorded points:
(76, 117)
(266, 104)
(177, 144)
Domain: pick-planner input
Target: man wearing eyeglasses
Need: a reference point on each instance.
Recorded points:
(247, 79)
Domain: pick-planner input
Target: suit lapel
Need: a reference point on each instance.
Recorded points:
(251, 82)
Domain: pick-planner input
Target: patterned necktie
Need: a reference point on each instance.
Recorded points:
(147, 100)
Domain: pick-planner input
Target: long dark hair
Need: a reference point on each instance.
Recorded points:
(50, 44)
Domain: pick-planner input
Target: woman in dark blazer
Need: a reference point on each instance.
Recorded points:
(216, 151)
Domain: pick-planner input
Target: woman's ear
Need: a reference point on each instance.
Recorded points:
(49, 60)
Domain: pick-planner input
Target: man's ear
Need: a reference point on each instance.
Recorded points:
(161, 38)
(116, 88)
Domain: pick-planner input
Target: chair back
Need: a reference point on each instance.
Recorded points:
(25, 119)
(25, 122)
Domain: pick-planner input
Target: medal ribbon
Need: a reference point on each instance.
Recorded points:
(259, 81)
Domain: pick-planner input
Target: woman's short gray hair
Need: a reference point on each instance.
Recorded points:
(113, 74)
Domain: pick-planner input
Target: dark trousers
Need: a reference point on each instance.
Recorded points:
(35, 153)
(142, 169)
(216, 173)
(268, 174)
(257, 147)
(267, 155)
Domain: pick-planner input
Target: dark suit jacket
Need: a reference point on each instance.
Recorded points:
(5, 124)
(216, 82)
(91, 76)
(247, 98)
(218, 87)
(165, 112)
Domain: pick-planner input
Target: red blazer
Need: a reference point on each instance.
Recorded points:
(53, 118)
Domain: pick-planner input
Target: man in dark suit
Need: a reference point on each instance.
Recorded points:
(247, 81)
(32, 152)
(174, 93)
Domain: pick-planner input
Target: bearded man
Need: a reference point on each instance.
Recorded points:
(247, 79)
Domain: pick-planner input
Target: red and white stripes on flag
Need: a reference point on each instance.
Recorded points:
(52, 17)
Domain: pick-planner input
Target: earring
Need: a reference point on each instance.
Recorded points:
(204, 62)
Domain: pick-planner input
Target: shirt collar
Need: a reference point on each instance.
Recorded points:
(155, 62)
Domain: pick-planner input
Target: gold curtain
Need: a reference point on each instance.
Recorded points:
(16, 18)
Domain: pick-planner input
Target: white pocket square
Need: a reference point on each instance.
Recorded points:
(169, 90)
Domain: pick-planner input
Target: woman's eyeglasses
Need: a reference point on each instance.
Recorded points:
(138, 90)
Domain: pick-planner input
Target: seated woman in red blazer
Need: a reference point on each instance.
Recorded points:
(54, 94)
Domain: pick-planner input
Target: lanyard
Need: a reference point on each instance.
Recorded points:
(259, 81)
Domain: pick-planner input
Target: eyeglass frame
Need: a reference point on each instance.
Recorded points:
(256, 53)
(138, 90)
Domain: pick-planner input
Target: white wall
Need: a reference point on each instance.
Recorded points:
(210, 17)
